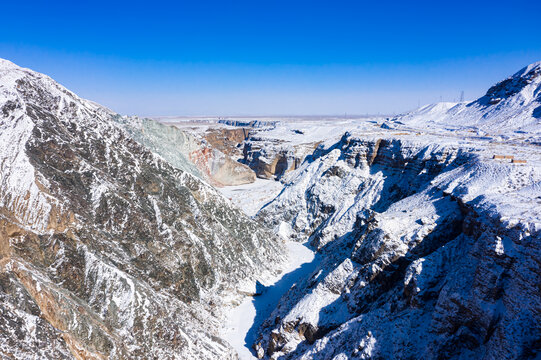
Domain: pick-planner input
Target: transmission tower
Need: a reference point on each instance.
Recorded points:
(462, 96)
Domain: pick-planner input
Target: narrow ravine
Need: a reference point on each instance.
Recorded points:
(243, 322)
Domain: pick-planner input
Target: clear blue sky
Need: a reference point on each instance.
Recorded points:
(271, 57)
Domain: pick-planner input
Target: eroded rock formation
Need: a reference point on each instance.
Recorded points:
(213, 161)
(272, 160)
(423, 255)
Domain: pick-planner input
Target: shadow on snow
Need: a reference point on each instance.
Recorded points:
(269, 297)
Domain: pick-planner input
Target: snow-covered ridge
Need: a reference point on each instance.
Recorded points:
(400, 221)
(20, 194)
(513, 104)
(428, 232)
(116, 245)
(525, 81)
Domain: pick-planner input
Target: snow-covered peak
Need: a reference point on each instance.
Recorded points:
(24, 86)
(10, 73)
(524, 83)
(533, 67)
(513, 104)
(6, 65)
(27, 100)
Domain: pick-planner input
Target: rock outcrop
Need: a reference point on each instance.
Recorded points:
(227, 140)
(213, 161)
(274, 159)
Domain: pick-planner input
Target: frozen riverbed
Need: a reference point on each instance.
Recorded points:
(251, 197)
(244, 320)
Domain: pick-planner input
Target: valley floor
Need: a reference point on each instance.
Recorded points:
(252, 197)
(243, 321)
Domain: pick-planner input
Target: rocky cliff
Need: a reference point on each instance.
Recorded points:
(108, 249)
(272, 159)
(428, 249)
(211, 158)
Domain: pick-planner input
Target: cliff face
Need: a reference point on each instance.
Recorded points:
(228, 140)
(211, 158)
(272, 159)
(108, 250)
(427, 249)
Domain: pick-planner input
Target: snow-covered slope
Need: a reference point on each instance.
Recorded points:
(107, 249)
(430, 250)
(513, 104)
(429, 239)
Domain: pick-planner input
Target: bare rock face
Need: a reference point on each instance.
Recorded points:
(213, 161)
(273, 159)
(26, 333)
(108, 250)
(221, 168)
(228, 140)
(425, 251)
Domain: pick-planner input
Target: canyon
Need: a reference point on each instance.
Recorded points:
(362, 237)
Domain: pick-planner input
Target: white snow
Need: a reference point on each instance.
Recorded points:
(511, 106)
(251, 197)
(243, 321)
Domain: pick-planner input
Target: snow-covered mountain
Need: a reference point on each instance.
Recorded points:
(513, 104)
(108, 249)
(428, 240)
(429, 250)
(113, 244)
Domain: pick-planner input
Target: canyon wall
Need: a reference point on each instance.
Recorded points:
(108, 249)
(212, 158)
(426, 250)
